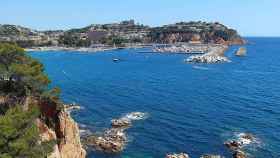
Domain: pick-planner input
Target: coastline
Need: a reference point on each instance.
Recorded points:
(80, 49)
(88, 49)
(181, 48)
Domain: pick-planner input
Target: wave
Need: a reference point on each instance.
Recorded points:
(253, 72)
(246, 141)
(135, 116)
(200, 68)
(84, 130)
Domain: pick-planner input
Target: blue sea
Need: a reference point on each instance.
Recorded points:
(192, 108)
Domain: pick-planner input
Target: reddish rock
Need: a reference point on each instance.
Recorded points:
(112, 141)
(70, 145)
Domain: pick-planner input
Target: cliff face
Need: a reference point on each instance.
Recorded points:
(66, 135)
(196, 32)
(70, 145)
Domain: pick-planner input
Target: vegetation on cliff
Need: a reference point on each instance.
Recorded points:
(195, 31)
(121, 33)
(19, 136)
(23, 91)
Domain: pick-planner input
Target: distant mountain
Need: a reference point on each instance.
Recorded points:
(14, 30)
(123, 32)
(27, 37)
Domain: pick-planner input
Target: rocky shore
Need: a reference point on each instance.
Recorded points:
(184, 48)
(114, 139)
(215, 55)
(236, 145)
(242, 51)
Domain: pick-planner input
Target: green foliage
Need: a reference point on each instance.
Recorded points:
(73, 40)
(25, 74)
(68, 39)
(9, 54)
(185, 31)
(83, 43)
(19, 135)
(25, 43)
(31, 75)
(115, 40)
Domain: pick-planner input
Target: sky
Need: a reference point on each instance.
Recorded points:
(248, 17)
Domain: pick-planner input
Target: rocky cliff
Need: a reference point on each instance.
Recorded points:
(198, 32)
(70, 144)
(66, 135)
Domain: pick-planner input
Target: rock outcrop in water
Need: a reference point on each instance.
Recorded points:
(120, 123)
(237, 144)
(181, 155)
(242, 51)
(239, 154)
(209, 59)
(114, 139)
(243, 139)
(215, 55)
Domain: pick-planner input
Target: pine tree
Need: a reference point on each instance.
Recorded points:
(19, 136)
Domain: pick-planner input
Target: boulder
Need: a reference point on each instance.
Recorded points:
(243, 139)
(233, 145)
(112, 141)
(247, 136)
(118, 123)
(239, 154)
(241, 51)
(181, 155)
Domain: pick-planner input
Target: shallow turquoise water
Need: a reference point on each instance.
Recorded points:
(192, 108)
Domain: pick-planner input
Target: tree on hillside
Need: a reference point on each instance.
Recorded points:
(25, 75)
(19, 135)
(9, 54)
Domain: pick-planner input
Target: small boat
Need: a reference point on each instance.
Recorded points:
(116, 59)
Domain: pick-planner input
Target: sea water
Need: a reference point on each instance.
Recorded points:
(191, 108)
